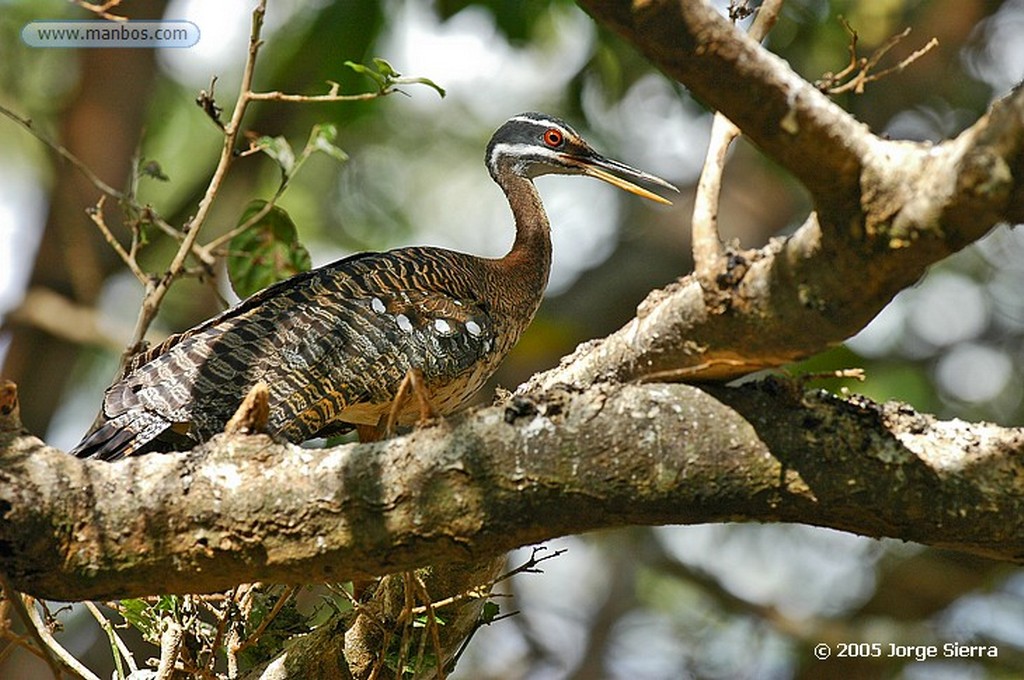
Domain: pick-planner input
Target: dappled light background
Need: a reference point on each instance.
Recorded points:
(707, 601)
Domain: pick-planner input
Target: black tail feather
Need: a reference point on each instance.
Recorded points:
(121, 436)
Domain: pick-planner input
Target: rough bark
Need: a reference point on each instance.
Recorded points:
(245, 509)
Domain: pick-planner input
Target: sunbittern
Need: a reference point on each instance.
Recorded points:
(335, 344)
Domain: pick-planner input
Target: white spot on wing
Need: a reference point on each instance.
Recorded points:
(403, 323)
(442, 326)
(377, 305)
(474, 328)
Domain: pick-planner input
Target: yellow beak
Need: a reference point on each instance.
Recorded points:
(622, 183)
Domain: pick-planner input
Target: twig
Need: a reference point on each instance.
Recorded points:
(212, 246)
(485, 590)
(15, 598)
(102, 10)
(331, 96)
(170, 646)
(274, 611)
(155, 293)
(96, 215)
(63, 656)
(833, 84)
(917, 54)
(108, 628)
(223, 618)
(404, 619)
(708, 250)
(100, 185)
(432, 628)
(64, 153)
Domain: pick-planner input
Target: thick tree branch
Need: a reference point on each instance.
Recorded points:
(886, 211)
(245, 509)
(790, 120)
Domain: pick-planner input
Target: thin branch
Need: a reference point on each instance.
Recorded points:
(104, 188)
(64, 153)
(171, 640)
(66, 658)
(485, 590)
(708, 250)
(102, 10)
(212, 246)
(223, 619)
(862, 66)
(432, 629)
(331, 96)
(156, 293)
(119, 646)
(255, 636)
(96, 215)
(45, 651)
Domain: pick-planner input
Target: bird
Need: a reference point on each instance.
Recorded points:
(337, 345)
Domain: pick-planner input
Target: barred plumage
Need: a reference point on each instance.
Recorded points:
(334, 344)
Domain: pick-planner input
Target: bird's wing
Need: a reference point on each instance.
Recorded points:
(326, 342)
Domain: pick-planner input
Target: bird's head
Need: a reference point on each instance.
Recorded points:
(534, 144)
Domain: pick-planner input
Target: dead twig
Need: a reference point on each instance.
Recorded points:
(859, 70)
(18, 604)
(170, 646)
(96, 215)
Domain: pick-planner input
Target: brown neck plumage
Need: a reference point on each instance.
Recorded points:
(523, 272)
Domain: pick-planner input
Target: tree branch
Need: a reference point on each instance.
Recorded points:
(886, 211)
(244, 509)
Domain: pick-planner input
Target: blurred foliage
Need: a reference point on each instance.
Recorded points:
(415, 175)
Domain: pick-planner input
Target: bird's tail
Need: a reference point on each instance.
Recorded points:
(121, 436)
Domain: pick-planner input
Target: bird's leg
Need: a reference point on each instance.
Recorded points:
(412, 382)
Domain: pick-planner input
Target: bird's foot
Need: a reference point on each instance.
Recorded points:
(412, 386)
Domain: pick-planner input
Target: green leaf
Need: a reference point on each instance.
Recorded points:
(382, 81)
(322, 139)
(139, 614)
(267, 251)
(386, 77)
(280, 150)
(423, 81)
(385, 68)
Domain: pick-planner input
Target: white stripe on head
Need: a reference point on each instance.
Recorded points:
(539, 120)
(520, 150)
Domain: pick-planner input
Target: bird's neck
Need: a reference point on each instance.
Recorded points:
(526, 267)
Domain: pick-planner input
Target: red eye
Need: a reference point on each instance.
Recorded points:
(553, 138)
